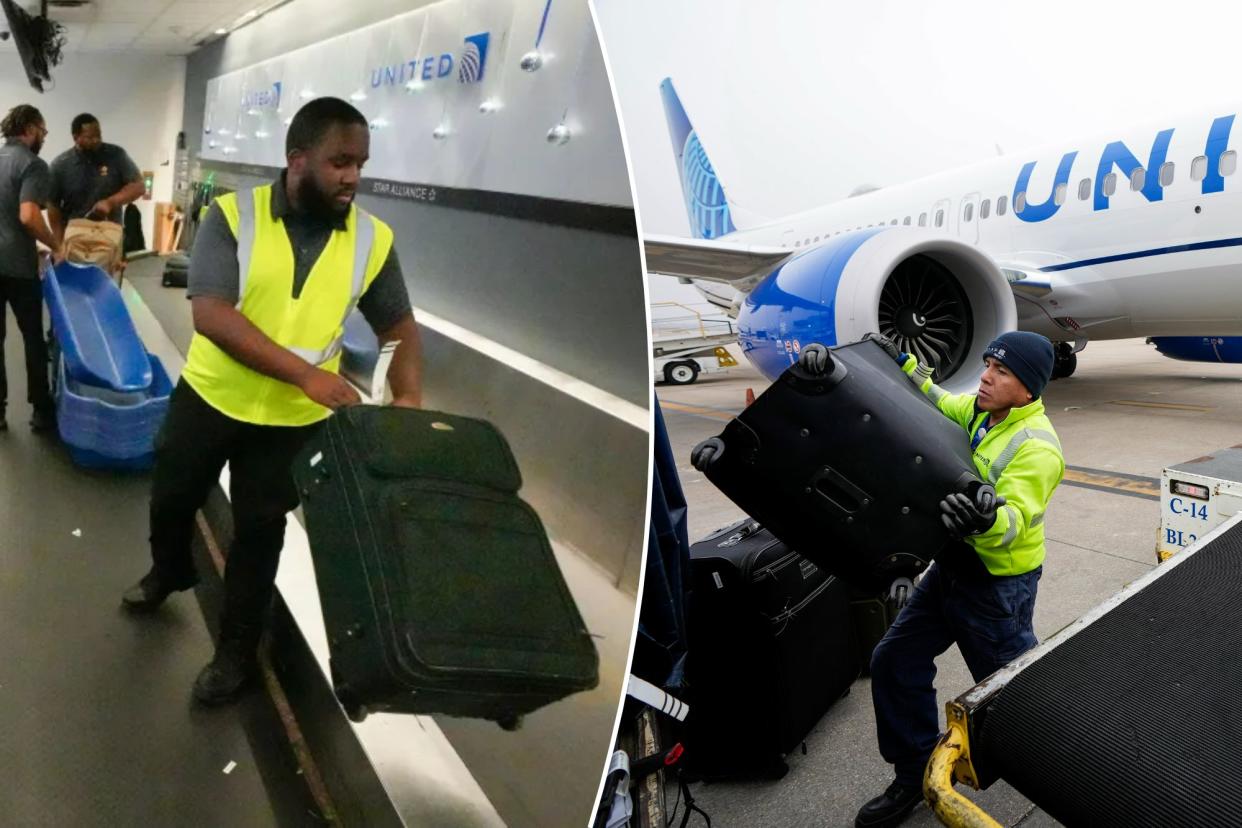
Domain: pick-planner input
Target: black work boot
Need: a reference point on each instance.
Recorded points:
(43, 419)
(889, 808)
(229, 672)
(4, 424)
(149, 593)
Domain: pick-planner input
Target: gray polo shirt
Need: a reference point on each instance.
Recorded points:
(213, 261)
(80, 181)
(23, 177)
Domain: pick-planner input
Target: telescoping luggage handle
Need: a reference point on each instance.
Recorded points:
(833, 492)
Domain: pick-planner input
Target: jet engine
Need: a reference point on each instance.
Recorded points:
(936, 297)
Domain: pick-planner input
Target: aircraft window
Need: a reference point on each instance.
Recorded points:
(797, 244)
(1019, 202)
(985, 208)
(1166, 174)
(1228, 163)
(1084, 189)
(817, 238)
(940, 218)
(1000, 205)
(922, 219)
(1198, 168)
(1138, 178)
(1058, 195)
(1110, 184)
(968, 213)
(906, 221)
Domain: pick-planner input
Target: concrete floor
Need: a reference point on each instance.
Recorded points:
(1127, 410)
(95, 708)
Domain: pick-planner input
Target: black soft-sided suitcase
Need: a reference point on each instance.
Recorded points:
(176, 271)
(439, 588)
(772, 646)
(848, 468)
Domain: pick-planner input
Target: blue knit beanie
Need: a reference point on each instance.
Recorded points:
(1028, 355)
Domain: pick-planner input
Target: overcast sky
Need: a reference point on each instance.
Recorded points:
(800, 101)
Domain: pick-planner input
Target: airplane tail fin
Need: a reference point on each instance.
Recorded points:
(707, 206)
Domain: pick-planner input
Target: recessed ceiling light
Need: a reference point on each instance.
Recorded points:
(250, 14)
(222, 31)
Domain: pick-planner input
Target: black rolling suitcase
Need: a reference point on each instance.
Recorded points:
(176, 271)
(439, 588)
(848, 468)
(772, 647)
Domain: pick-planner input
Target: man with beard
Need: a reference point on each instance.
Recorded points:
(23, 193)
(92, 179)
(275, 271)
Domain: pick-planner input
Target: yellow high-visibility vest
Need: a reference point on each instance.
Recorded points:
(311, 326)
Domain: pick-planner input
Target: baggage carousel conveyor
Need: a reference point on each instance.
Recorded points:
(1126, 717)
(418, 770)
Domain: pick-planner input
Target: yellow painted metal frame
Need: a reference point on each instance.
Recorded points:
(951, 760)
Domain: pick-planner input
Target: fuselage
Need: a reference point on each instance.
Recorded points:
(1132, 233)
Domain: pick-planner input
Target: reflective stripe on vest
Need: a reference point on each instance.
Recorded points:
(1012, 532)
(1015, 443)
(362, 252)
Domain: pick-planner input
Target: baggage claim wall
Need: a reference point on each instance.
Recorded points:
(509, 195)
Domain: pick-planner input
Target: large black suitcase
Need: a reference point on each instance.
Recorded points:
(439, 588)
(848, 468)
(772, 647)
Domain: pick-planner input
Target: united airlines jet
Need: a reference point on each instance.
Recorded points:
(1132, 234)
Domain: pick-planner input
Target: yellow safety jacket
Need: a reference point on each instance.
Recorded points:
(1021, 457)
(311, 326)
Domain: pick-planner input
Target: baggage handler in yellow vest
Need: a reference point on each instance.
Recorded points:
(980, 592)
(274, 273)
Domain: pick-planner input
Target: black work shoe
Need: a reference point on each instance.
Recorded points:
(228, 674)
(148, 594)
(889, 808)
(42, 419)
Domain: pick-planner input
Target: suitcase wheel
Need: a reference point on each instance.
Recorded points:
(509, 723)
(354, 709)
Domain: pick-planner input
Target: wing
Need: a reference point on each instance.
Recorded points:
(742, 266)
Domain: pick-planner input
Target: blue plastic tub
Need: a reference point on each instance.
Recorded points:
(107, 429)
(101, 347)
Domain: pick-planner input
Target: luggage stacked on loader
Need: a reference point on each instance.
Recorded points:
(772, 647)
(847, 467)
(439, 588)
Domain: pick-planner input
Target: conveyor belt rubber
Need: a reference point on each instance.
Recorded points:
(1134, 720)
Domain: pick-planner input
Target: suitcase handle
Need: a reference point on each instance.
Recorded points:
(837, 494)
(810, 384)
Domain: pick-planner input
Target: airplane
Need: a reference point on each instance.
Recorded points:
(1137, 233)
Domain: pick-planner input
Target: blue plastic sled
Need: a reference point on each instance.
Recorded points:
(100, 345)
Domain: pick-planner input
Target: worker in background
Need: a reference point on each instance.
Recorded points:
(23, 194)
(980, 592)
(91, 180)
(274, 274)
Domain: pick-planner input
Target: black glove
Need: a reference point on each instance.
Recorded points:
(964, 517)
(888, 345)
(814, 359)
(706, 453)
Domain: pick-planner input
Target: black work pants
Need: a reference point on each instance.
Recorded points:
(190, 452)
(25, 296)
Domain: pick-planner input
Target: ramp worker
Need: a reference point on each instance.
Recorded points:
(980, 592)
(23, 194)
(274, 273)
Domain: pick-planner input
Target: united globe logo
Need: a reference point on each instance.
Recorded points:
(473, 59)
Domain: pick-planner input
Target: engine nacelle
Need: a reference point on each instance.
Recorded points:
(936, 297)
(1200, 348)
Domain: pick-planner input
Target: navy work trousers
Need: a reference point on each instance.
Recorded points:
(988, 617)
